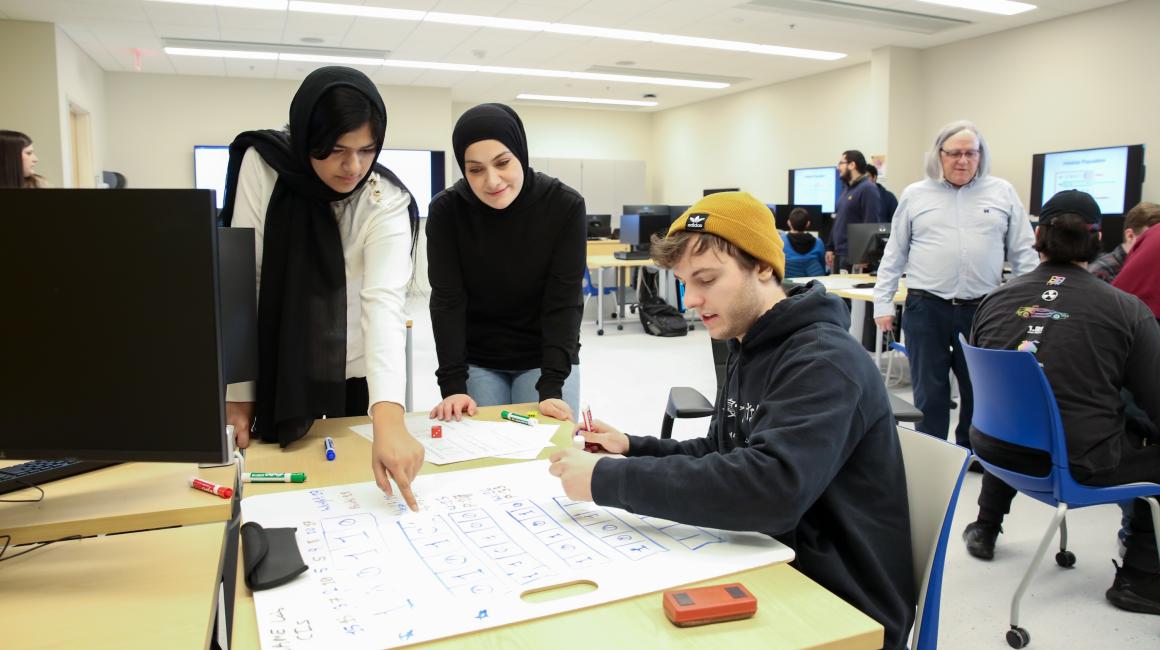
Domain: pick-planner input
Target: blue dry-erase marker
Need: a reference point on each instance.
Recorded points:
(329, 448)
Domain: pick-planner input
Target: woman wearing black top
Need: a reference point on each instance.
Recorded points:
(506, 254)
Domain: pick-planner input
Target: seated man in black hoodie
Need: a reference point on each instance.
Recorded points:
(802, 446)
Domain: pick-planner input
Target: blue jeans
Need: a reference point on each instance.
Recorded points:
(932, 329)
(490, 387)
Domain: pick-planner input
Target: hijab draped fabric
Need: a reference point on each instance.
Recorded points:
(302, 302)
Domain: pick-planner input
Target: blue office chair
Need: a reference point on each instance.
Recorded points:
(1015, 404)
(589, 290)
(934, 475)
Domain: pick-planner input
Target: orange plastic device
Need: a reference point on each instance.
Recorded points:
(702, 605)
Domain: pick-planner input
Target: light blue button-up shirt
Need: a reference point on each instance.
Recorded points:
(952, 242)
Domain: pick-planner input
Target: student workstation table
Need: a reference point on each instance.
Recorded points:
(145, 574)
(793, 611)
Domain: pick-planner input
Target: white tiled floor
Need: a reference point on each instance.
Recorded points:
(626, 376)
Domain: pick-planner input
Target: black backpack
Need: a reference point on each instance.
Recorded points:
(658, 317)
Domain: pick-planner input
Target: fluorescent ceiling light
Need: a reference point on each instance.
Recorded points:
(438, 66)
(333, 60)
(223, 54)
(271, 5)
(1003, 7)
(353, 10)
(585, 100)
(471, 20)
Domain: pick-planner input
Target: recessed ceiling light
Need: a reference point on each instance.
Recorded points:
(523, 25)
(1003, 7)
(585, 100)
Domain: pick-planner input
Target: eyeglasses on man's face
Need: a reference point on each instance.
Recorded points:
(969, 154)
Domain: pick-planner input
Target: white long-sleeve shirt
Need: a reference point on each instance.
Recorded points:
(376, 242)
(952, 241)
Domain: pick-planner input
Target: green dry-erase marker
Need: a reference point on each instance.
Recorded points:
(274, 477)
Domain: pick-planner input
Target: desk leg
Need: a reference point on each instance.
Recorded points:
(620, 297)
(857, 315)
(600, 302)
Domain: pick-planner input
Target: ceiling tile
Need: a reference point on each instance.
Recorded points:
(175, 14)
(251, 69)
(198, 32)
(374, 34)
(251, 19)
(431, 42)
(198, 65)
(331, 29)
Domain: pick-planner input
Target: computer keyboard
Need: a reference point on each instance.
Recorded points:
(37, 472)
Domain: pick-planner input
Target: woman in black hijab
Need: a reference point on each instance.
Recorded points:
(506, 253)
(334, 234)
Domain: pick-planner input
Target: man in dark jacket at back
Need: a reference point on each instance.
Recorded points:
(802, 446)
(887, 202)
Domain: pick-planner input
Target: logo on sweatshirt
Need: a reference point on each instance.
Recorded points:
(696, 221)
(1049, 295)
(1035, 311)
(1056, 280)
(1028, 346)
(1034, 330)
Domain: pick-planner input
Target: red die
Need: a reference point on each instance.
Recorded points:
(436, 431)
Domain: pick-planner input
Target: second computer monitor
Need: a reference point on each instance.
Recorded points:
(637, 229)
(867, 243)
(599, 226)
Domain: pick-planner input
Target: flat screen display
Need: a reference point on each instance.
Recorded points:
(422, 171)
(1114, 176)
(814, 186)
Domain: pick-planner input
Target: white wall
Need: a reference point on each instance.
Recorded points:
(28, 103)
(600, 134)
(1085, 80)
(751, 139)
(154, 121)
(80, 82)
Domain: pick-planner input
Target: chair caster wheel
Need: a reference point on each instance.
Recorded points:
(1065, 559)
(600, 332)
(620, 327)
(1017, 637)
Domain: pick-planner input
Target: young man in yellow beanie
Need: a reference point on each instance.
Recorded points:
(802, 445)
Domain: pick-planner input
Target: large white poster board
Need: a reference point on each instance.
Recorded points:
(381, 576)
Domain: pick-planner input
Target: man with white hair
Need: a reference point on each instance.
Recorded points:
(950, 235)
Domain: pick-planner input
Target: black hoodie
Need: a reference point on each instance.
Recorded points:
(803, 448)
(506, 284)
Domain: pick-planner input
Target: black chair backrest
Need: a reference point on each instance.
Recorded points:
(720, 361)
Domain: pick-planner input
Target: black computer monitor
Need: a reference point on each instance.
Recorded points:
(637, 229)
(867, 242)
(599, 226)
(650, 208)
(112, 334)
(820, 222)
(675, 211)
(716, 190)
(239, 304)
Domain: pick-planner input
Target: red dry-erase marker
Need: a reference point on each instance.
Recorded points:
(586, 416)
(213, 488)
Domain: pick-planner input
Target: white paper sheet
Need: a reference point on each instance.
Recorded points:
(381, 576)
(471, 439)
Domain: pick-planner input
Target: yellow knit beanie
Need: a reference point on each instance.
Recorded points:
(740, 219)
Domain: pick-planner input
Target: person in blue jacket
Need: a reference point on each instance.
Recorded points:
(805, 255)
